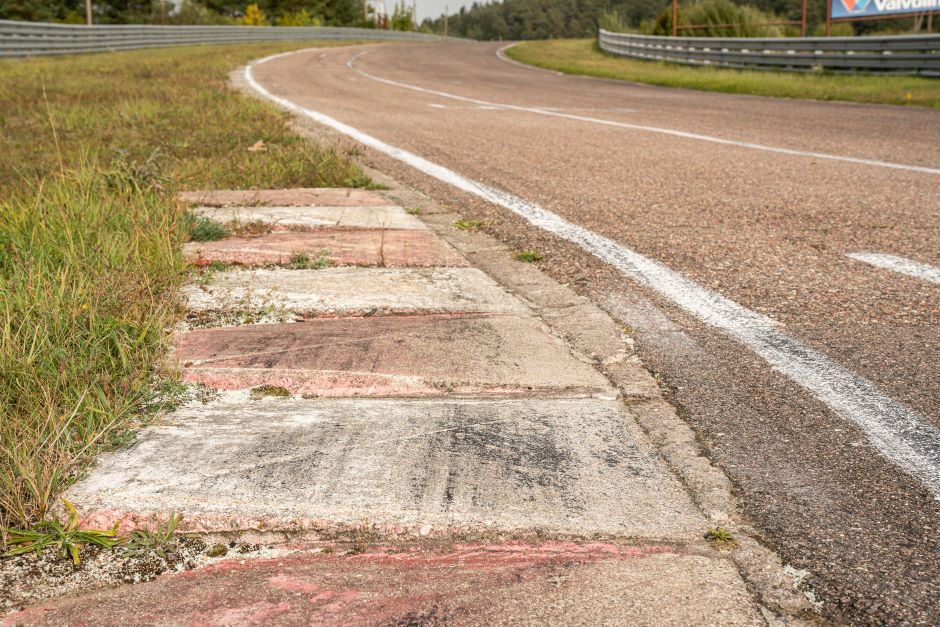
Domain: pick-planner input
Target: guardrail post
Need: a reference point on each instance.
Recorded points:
(675, 17)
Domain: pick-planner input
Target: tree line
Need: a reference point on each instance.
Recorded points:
(548, 19)
(274, 12)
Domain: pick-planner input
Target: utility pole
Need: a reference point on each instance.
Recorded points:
(88, 12)
(365, 12)
(828, 17)
(675, 17)
(414, 14)
(445, 20)
(803, 21)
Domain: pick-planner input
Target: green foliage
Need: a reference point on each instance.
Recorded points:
(303, 261)
(254, 16)
(468, 225)
(528, 256)
(90, 237)
(298, 18)
(582, 56)
(747, 21)
(143, 542)
(721, 538)
(203, 229)
(286, 12)
(401, 17)
(50, 533)
(550, 19)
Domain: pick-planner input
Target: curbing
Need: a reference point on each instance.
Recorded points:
(564, 313)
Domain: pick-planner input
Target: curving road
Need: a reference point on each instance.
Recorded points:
(777, 262)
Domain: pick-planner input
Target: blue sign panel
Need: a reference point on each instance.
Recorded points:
(877, 8)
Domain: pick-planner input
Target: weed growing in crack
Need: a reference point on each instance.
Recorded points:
(528, 256)
(50, 533)
(302, 261)
(263, 391)
(159, 542)
(203, 229)
(468, 225)
(721, 538)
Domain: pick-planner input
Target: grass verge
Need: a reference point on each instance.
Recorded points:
(582, 56)
(92, 151)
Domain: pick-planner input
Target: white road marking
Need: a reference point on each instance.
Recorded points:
(437, 106)
(902, 265)
(652, 129)
(501, 53)
(900, 435)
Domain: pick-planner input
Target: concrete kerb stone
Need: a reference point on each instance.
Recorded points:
(416, 355)
(356, 247)
(354, 291)
(307, 197)
(369, 217)
(571, 467)
(467, 584)
(709, 486)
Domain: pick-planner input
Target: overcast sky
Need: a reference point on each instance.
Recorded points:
(433, 8)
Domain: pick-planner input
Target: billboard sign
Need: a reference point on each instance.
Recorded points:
(861, 9)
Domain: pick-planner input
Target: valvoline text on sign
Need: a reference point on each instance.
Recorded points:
(874, 8)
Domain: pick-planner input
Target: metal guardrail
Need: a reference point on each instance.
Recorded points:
(25, 39)
(907, 54)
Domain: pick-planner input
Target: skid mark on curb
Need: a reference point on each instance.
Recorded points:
(899, 434)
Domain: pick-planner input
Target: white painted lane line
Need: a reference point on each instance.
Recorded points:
(897, 433)
(652, 129)
(902, 265)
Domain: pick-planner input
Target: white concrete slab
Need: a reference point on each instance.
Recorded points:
(389, 217)
(354, 291)
(569, 466)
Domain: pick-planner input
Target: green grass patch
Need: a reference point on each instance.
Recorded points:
(203, 229)
(582, 56)
(468, 225)
(92, 151)
(528, 256)
(303, 261)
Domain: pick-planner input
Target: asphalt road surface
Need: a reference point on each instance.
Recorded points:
(777, 262)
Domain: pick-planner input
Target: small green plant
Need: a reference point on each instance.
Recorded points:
(721, 538)
(268, 390)
(302, 261)
(144, 542)
(69, 539)
(414, 211)
(468, 225)
(528, 256)
(202, 229)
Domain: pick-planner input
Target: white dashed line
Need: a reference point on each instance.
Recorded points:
(900, 435)
(901, 265)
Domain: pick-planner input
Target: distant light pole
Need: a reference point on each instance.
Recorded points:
(88, 12)
(675, 17)
(445, 20)
(414, 14)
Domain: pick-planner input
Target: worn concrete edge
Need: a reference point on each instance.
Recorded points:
(774, 586)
